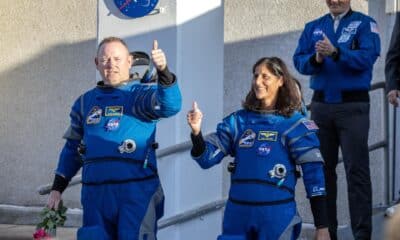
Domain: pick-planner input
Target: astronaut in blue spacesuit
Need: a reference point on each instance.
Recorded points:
(112, 137)
(268, 138)
(338, 51)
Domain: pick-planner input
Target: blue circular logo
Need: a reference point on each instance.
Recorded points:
(135, 8)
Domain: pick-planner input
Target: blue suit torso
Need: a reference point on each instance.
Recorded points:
(357, 40)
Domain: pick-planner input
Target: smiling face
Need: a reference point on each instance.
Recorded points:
(337, 7)
(113, 62)
(266, 86)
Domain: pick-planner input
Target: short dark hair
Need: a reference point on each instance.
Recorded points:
(288, 94)
(112, 39)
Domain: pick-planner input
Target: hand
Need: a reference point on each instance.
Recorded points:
(158, 57)
(54, 199)
(322, 234)
(194, 117)
(325, 47)
(393, 97)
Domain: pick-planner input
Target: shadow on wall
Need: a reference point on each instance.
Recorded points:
(36, 97)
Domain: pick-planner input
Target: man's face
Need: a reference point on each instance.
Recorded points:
(113, 62)
(337, 7)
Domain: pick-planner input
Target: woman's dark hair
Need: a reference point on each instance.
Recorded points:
(289, 98)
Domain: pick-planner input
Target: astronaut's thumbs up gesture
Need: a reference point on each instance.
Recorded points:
(158, 57)
(194, 117)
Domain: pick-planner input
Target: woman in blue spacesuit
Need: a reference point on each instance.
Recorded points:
(267, 139)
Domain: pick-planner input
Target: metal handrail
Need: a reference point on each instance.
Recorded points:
(180, 147)
(217, 205)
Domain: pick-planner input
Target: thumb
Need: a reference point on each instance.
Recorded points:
(195, 107)
(155, 45)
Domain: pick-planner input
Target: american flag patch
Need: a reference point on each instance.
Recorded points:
(310, 125)
(374, 27)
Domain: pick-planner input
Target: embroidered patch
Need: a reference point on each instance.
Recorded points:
(112, 124)
(263, 149)
(348, 30)
(354, 24)
(113, 111)
(267, 136)
(374, 27)
(94, 115)
(317, 34)
(344, 38)
(247, 138)
(310, 125)
(318, 189)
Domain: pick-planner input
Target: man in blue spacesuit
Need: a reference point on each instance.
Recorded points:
(339, 50)
(112, 137)
(268, 139)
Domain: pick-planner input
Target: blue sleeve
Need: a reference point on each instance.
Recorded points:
(219, 144)
(157, 101)
(304, 52)
(70, 162)
(303, 145)
(314, 178)
(367, 50)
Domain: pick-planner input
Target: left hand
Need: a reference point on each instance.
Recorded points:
(158, 57)
(325, 47)
(393, 97)
(322, 234)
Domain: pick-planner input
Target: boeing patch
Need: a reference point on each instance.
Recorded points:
(94, 115)
(113, 111)
(247, 138)
(271, 136)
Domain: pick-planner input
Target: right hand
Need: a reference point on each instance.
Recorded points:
(393, 97)
(54, 200)
(194, 117)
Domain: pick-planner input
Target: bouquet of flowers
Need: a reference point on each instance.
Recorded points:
(51, 219)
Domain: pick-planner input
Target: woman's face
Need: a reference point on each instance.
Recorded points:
(265, 86)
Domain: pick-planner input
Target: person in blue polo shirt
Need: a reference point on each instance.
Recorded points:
(112, 138)
(338, 51)
(268, 139)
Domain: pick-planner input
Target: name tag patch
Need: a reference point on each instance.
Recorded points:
(271, 136)
(114, 111)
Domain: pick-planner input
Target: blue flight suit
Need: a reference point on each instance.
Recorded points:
(340, 107)
(266, 149)
(115, 129)
(358, 43)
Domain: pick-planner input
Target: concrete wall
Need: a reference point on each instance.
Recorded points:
(47, 51)
(271, 28)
